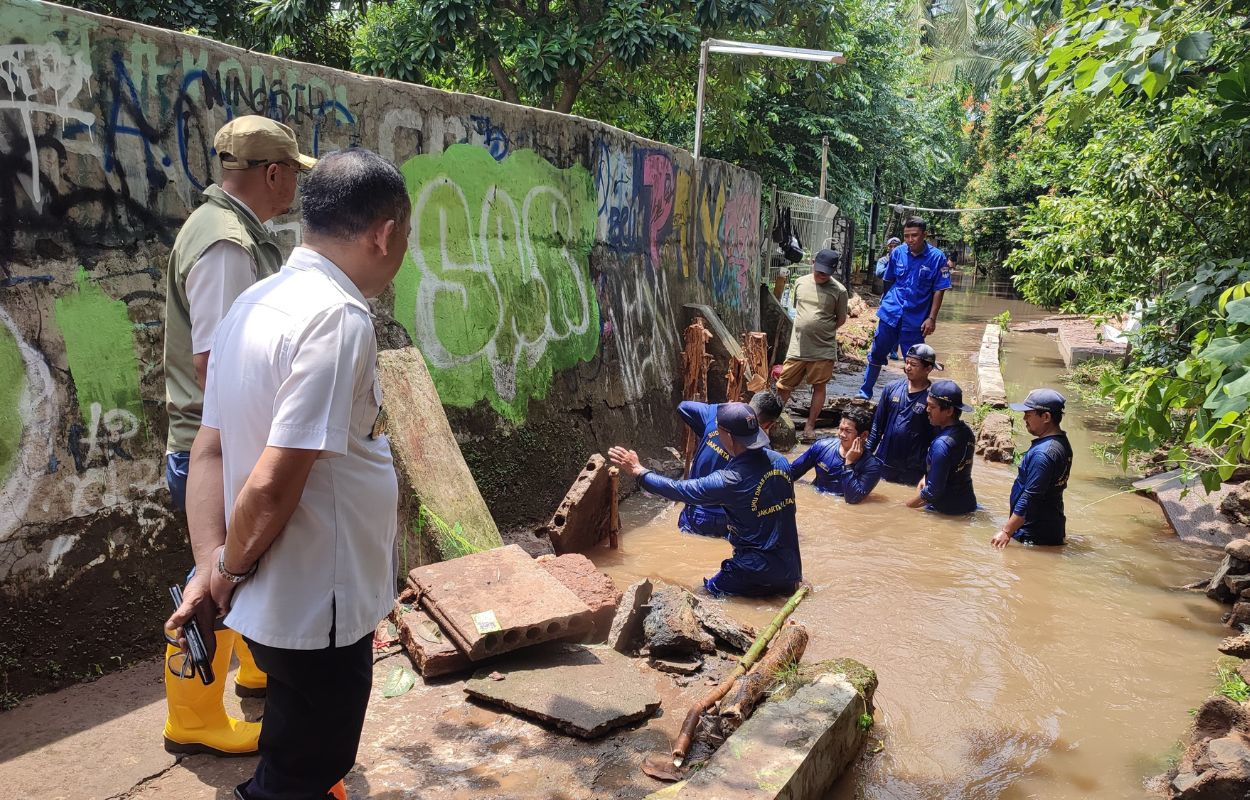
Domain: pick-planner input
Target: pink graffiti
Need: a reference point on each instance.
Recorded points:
(657, 172)
(739, 235)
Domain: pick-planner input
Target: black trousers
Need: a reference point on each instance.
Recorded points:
(314, 712)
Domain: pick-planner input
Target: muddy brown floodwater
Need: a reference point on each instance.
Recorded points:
(1032, 672)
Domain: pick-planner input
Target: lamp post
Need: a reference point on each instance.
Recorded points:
(748, 49)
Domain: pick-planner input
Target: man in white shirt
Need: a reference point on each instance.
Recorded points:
(222, 249)
(290, 497)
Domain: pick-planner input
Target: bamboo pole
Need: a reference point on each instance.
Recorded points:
(682, 744)
(614, 510)
(786, 649)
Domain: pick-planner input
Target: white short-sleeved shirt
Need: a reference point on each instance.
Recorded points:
(294, 365)
(219, 275)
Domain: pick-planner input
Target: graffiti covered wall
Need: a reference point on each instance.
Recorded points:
(549, 260)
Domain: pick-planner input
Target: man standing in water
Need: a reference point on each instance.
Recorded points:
(901, 432)
(710, 456)
(222, 249)
(820, 308)
(843, 465)
(920, 276)
(1037, 495)
(947, 484)
(755, 491)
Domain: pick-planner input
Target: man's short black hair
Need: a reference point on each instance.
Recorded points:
(946, 405)
(916, 222)
(860, 417)
(1056, 416)
(348, 191)
(767, 406)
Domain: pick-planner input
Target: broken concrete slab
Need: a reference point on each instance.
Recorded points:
(793, 749)
(1045, 325)
(498, 600)
(1192, 513)
(580, 576)
(1081, 340)
(626, 628)
(777, 324)
(585, 515)
(996, 438)
(677, 666)
(990, 386)
(732, 634)
(671, 626)
(441, 511)
(580, 690)
(431, 650)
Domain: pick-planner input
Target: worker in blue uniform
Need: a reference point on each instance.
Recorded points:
(755, 490)
(1037, 495)
(919, 275)
(947, 484)
(901, 433)
(710, 456)
(843, 465)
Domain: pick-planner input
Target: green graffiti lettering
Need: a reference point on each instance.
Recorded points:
(100, 348)
(12, 384)
(495, 289)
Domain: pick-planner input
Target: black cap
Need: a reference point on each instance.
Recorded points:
(924, 353)
(950, 393)
(1041, 400)
(826, 261)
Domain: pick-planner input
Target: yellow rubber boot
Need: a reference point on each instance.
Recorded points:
(251, 680)
(197, 721)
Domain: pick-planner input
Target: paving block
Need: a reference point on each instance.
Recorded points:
(1082, 340)
(431, 650)
(579, 690)
(792, 749)
(990, 386)
(596, 589)
(584, 516)
(1192, 513)
(441, 511)
(498, 600)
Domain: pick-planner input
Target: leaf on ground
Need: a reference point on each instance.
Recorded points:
(399, 681)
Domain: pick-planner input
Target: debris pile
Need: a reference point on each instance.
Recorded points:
(995, 441)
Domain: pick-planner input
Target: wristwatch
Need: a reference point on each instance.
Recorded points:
(231, 577)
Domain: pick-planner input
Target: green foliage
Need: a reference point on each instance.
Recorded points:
(864, 722)
(1232, 685)
(1002, 320)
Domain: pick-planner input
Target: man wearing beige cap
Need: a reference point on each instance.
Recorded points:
(222, 249)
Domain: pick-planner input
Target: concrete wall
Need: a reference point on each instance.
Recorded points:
(550, 256)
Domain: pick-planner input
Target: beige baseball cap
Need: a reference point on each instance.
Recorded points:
(251, 140)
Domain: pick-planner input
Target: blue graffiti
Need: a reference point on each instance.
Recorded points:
(497, 141)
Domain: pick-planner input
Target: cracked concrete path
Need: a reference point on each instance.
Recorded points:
(102, 741)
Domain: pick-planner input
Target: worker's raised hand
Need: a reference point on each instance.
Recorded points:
(626, 459)
(854, 451)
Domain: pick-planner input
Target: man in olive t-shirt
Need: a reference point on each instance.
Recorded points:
(820, 308)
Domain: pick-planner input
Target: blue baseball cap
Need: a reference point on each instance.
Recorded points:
(1041, 400)
(741, 423)
(950, 393)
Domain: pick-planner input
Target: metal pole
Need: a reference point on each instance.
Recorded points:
(824, 164)
(698, 103)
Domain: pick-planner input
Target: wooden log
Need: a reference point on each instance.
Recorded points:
(735, 380)
(614, 532)
(755, 352)
(695, 362)
(681, 745)
(787, 649)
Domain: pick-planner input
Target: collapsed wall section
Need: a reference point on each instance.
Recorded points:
(550, 257)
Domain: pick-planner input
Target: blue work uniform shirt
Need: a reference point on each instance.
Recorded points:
(834, 475)
(901, 433)
(948, 477)
(1037, 494)
(709, 456)
(756, 492)
(915, 279)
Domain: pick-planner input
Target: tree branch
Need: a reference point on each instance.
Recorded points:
(593, 68)
(1171, 204)
(507, 88)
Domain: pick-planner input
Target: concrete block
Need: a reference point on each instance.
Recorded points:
(626, 627)
(1080, 340)
(792, 749)
(579, 690)
(441, 511)
(1192, 513)
(990, 386)
(498, 600)
(584, 516)
(594, 588)
(431, 650)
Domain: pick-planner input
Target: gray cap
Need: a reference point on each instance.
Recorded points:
(925, 353)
